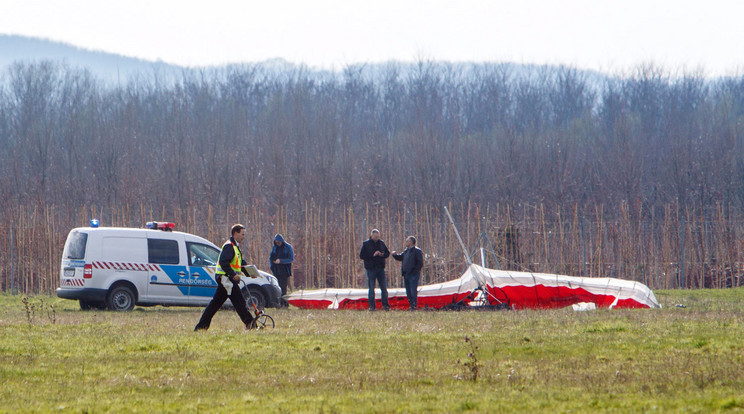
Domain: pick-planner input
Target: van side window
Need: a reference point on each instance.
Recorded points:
(202, 255)
(163, 251)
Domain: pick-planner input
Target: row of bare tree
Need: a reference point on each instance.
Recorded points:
(680, 248)
(431, 133)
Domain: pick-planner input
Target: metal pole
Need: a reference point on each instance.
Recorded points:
(457, 233)
(492, 250)
(480, 242)
(682, 252)
(583, 245)
(478, 277)
(12, 260)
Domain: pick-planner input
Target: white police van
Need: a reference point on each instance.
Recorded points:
(118, 268)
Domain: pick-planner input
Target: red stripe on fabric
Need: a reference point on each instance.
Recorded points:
(395, 302)
(310, 304)
(519, 297)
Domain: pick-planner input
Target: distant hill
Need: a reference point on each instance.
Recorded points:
(113, 68)
(107, 66)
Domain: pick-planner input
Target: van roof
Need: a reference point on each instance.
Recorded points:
(131, 230)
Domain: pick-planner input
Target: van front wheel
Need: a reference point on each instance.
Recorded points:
(120, 299)
(254, 295)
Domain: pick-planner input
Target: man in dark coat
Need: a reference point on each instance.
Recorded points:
(282, 256)
(374, 252)
(413, 262)
(231, 266)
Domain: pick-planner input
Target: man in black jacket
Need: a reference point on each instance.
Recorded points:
(374, 252)
(231, 265)
(413, 262)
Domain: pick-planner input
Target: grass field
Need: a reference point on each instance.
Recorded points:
(671, 360)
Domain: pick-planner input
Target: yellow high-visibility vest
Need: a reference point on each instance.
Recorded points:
(236, 261)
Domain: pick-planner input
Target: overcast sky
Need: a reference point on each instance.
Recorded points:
(609, 35)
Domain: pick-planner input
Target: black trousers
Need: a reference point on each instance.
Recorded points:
(283, 282)
(220, 296)
(411, 282)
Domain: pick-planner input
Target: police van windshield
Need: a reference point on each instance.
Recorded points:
(202, 255)
(75, 246)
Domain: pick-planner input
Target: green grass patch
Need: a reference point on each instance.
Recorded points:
(674, 359)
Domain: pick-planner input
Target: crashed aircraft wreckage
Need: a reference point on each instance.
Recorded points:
(517, 290)
(480, 287)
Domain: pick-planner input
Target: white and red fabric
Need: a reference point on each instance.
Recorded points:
(521, 290)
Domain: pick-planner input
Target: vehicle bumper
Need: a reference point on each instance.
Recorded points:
(85, 294)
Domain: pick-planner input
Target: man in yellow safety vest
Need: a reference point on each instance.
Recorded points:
(228, 273)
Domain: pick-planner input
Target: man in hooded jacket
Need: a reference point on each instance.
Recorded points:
(282, 256)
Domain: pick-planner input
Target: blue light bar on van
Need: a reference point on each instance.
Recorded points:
(94, 223)
(155, 225)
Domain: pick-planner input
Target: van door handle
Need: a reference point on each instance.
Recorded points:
(181, 273)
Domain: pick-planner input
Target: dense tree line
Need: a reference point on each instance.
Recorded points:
(428, 132)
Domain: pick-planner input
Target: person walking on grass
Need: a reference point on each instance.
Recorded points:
(230, 267)
(413, 262)
(281, 258)
(374, 252)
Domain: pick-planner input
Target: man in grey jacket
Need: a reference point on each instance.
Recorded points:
(413, 262)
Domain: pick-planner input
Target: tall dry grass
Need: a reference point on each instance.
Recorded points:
(636, 245)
